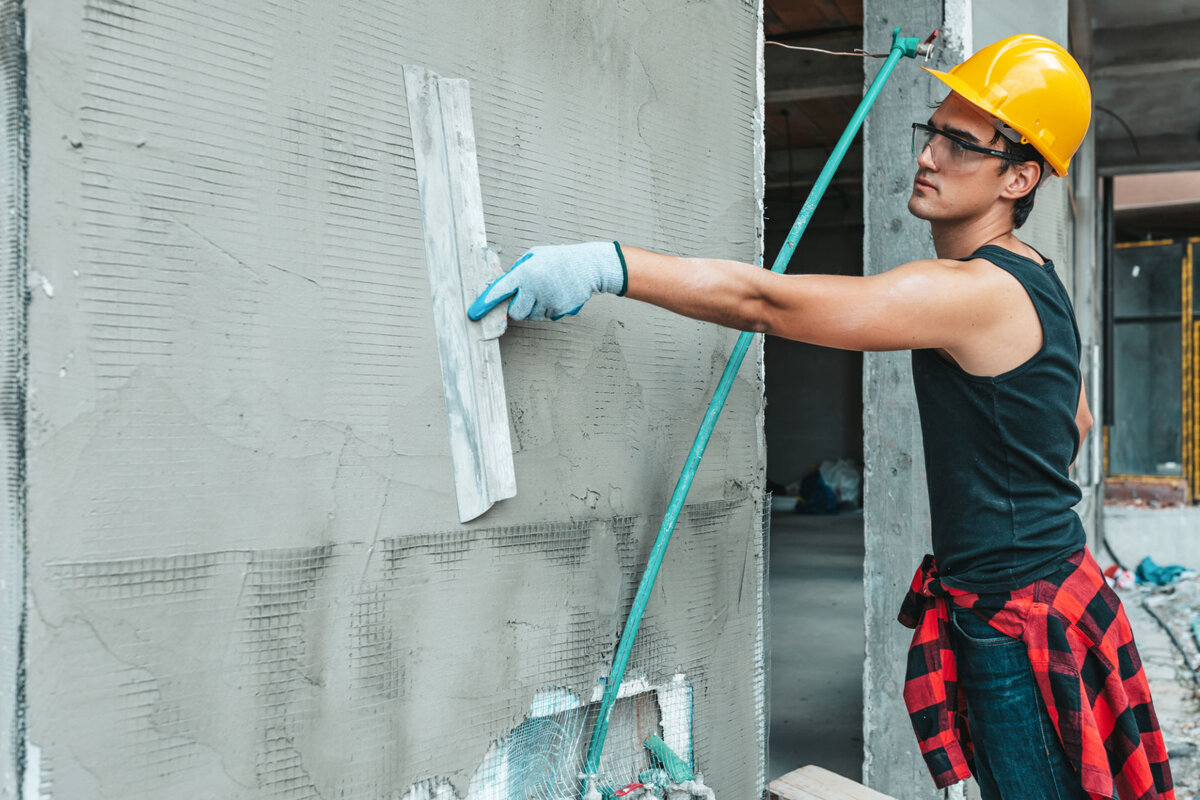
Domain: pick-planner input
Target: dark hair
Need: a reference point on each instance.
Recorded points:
(1026, 152)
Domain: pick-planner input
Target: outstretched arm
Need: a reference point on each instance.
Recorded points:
(917, 305)
(920, 304)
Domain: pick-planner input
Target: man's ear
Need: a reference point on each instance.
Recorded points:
(1023, 178)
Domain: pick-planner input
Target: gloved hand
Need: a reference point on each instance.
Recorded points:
(552, 282)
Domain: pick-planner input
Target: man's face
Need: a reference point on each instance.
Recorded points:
(950, 184)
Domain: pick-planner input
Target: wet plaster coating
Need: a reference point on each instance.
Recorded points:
(247, 578)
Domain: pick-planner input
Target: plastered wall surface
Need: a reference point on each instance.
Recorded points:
(246, 574)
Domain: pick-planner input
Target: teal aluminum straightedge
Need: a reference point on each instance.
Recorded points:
(901, 47)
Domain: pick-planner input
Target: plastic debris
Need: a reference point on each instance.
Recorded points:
(1149, 572)
(843, 477)
(1120, 578)
(816, 497)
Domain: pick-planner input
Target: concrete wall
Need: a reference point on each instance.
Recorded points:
(246, 575)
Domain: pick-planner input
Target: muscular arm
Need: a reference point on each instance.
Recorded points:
(923, 304)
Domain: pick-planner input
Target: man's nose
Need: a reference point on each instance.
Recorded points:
(925, 157)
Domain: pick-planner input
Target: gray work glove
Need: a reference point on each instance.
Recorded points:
(555, 281)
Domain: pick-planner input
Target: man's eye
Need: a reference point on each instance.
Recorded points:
(956, 147)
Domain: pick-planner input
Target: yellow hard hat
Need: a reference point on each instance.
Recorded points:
(1032, 85)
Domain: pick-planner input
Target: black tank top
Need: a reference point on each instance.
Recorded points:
(998, 449)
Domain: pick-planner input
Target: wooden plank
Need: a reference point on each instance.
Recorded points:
(459, 264)
(814, 783)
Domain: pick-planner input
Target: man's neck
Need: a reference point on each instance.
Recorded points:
(959, 239)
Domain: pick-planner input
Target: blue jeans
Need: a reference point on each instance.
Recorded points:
(1018, 755)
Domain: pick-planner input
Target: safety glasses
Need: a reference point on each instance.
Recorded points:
(952, 152)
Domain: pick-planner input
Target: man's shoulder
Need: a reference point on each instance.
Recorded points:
(974, 284)
(968, 272)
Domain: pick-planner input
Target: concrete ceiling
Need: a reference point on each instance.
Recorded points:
(1145, 72)
(809, 97)
(1142, 57)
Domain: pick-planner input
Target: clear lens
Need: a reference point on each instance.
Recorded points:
(920, 140)
(947, 152)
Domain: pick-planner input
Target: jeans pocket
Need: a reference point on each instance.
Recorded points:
(972, 630)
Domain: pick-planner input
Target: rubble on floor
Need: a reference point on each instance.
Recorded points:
(1170, 669)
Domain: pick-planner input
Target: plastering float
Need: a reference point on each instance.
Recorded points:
(461, 265)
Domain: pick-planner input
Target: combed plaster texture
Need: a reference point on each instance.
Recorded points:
(246, 574)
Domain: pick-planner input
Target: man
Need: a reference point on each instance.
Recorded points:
(1023, 669)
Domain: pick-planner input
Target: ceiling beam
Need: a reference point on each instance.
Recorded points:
(815, 92)
(803, 186)
(796, 75)
(1146, 51)
(1165, 153)
(814, 36)
(807, 163)
(1148, 69)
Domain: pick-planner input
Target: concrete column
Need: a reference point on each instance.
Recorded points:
(1087, 295)
(895, 502)
(1088, 292)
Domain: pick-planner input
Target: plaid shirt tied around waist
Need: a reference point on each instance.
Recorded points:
(1085, 663)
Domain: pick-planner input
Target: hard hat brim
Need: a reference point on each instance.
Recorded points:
(969, 94)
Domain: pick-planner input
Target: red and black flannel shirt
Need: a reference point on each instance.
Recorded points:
(1087, 669)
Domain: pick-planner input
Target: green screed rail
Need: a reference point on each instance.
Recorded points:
(901, 47)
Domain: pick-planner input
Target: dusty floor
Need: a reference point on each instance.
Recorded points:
(816, 637)
(817, 645)
(1169, 536)
(1172, 684)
